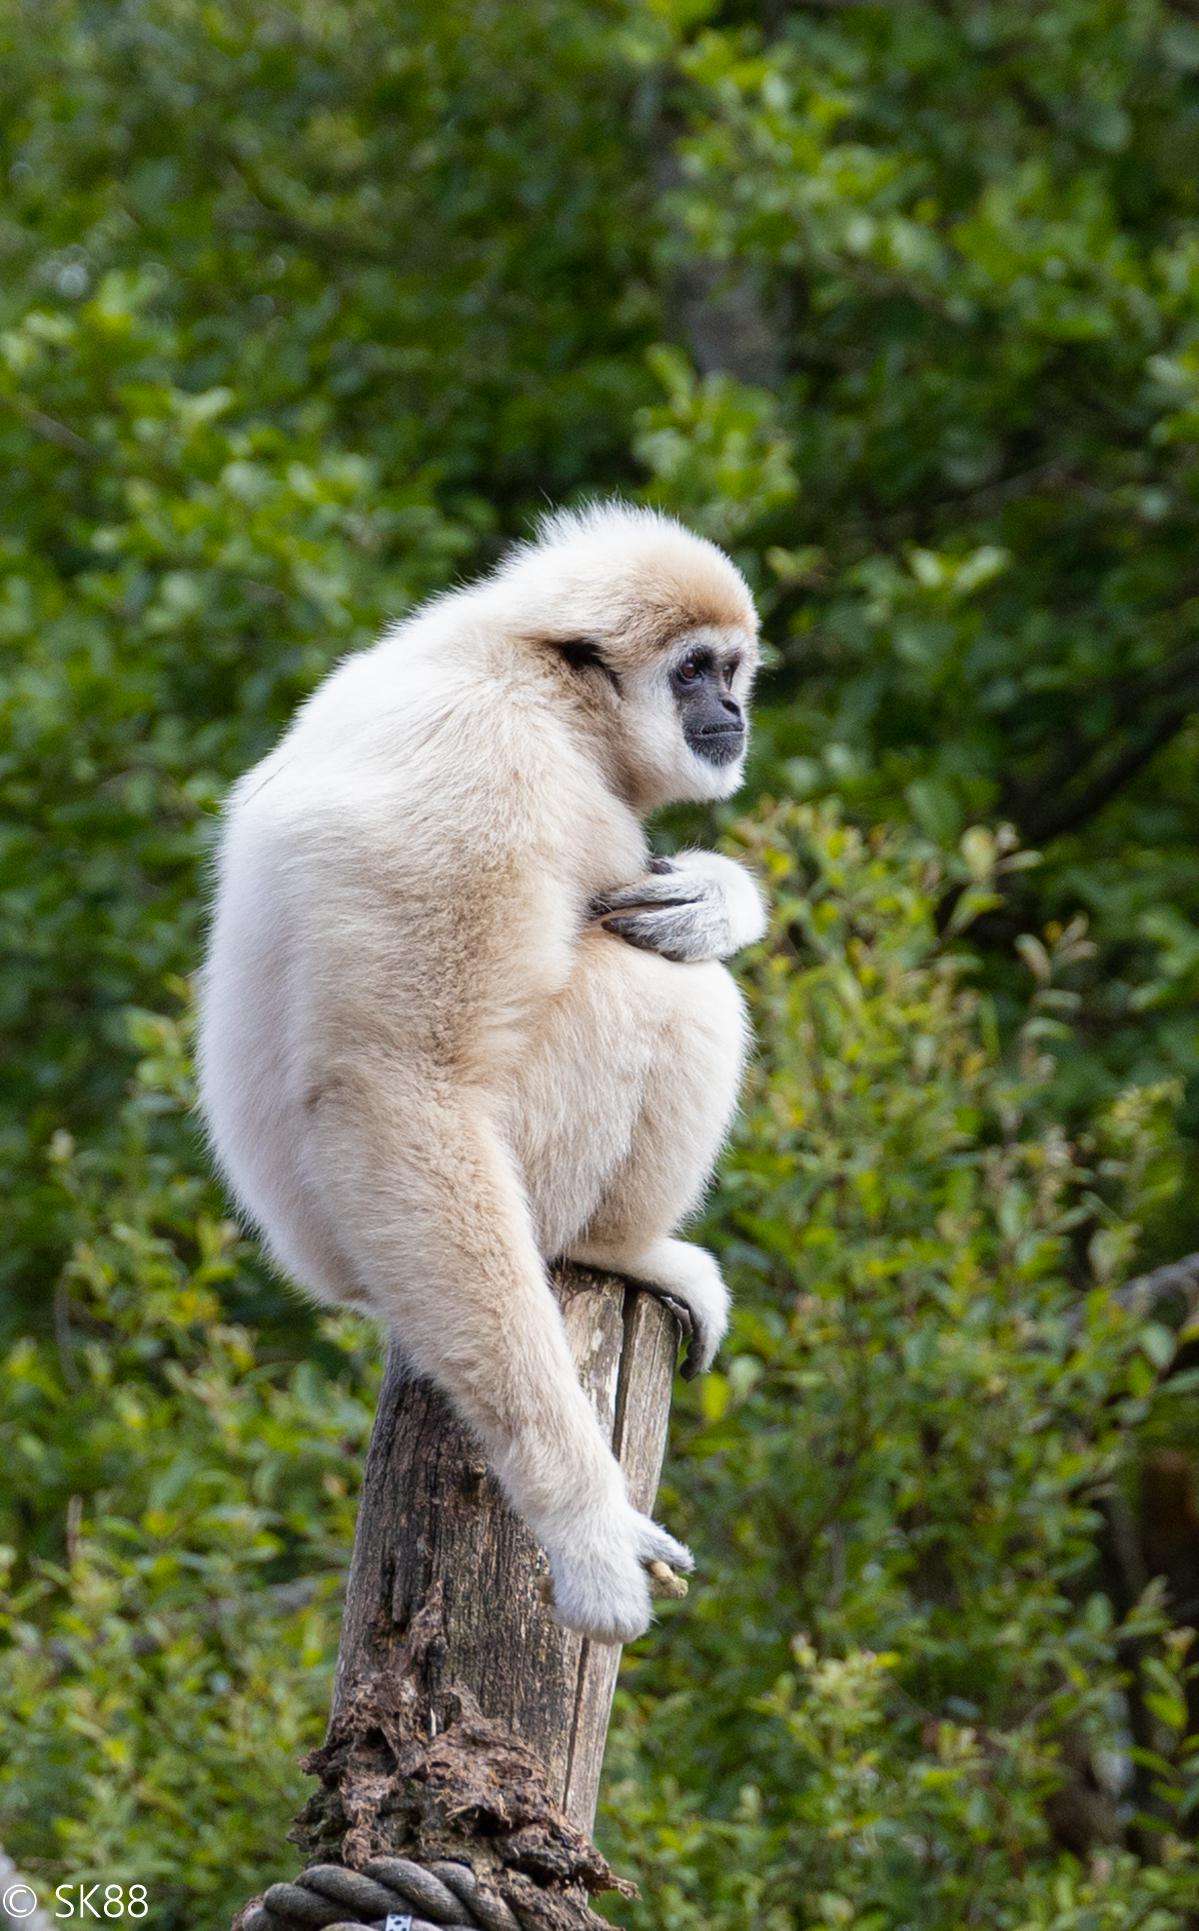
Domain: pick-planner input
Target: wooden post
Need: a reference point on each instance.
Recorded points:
(466, 1723)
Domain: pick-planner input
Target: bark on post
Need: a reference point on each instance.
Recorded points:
(466, 1724)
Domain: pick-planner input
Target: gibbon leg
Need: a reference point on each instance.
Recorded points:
(618, 1113)
(430, 1209)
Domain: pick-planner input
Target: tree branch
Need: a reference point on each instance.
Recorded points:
(1062, 813)
(1173, 1288)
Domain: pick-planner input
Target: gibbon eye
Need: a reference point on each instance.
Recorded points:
(689, 670)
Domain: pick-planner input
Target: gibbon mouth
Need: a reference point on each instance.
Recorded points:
(720, 743)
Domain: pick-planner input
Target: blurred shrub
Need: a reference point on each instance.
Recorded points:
(940, 268)
(904, 1653)
(305, 309)
(286, 322)
(295, 323)
(175, 1519)
(903, 1648)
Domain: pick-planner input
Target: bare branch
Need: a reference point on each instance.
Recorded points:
(1172, 1289)
(50, 429)
(1062, 813)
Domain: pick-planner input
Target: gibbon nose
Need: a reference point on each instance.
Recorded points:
(731, 720)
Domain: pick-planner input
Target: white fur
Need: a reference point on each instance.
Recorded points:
(426, 1066)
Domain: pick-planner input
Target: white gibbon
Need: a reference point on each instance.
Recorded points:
(456, 1021)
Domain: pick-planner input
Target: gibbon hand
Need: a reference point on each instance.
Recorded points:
(690, 908)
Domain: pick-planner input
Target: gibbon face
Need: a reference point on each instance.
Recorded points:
(686, 720)
(658, 631)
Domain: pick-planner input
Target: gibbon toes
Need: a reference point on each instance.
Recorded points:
(603, 1583)
(700, 1336)
(689, 1282)
(685, 1279)
(656, 1545)
(698, 1359)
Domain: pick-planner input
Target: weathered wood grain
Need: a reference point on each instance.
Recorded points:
(435, 1537)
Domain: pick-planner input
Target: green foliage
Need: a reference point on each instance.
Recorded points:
(251, 405)
(955, 248)
(900, 1637)
(176, 1512)
(304, 310)
(900, 1640)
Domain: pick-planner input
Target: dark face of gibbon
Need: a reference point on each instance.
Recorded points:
(704, 682)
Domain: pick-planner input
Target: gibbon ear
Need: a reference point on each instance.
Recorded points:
(583, 653)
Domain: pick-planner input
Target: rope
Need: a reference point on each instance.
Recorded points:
(328, 1897)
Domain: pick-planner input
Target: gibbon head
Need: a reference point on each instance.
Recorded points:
(656, 632)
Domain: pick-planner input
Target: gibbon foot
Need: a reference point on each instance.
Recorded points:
(602, 1583)
(662, 1582)
(687, 1280)
(688, 1277)
(695, 1337)
(682, 1313)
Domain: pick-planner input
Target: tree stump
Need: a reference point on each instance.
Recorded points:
(466, 1724)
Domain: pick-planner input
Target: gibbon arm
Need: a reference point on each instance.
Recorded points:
(427, 1201)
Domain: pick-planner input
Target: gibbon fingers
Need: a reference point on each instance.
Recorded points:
(456, 1021)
